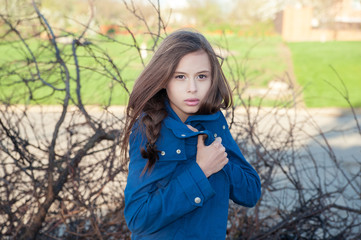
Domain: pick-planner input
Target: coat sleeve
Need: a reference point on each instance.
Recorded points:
(245, 184)
(163, 195)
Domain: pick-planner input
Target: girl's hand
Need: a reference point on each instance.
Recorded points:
(212, 158)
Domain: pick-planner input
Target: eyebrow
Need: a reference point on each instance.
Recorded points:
(204, 71)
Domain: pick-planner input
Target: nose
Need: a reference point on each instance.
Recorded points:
(192, 86)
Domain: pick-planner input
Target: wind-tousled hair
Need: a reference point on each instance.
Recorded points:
(147, 100)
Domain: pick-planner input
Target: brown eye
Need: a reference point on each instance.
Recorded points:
(180, 76)
(202, 76)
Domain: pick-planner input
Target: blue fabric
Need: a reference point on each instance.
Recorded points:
(176, 200)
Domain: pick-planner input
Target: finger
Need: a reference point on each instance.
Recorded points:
(218, 139)
(217, 142)
(201, 138)
(192, 128)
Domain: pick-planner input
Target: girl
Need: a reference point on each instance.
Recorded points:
(184, 164)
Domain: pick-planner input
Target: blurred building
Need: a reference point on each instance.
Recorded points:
(341, 21)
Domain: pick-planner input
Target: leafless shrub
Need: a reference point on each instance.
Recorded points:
(308, 191)
(61, 170)
(61, 173)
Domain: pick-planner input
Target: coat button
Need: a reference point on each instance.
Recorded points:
(224, 126)
(183, 135)
(197, 200)
(215, 135)
(178, 151)
(162, 153)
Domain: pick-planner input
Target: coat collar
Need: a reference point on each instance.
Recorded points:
(180, 129)
(173, 115)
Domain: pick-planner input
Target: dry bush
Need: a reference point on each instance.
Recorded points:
(61, 173)
(308, 191)
(61, 170)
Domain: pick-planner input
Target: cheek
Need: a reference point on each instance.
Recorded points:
(175, 87)
(206, 86)
(172, 90)
(169, 88)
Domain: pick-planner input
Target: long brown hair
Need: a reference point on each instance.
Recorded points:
(147, 100)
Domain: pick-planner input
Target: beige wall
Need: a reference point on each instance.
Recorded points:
(294, 24)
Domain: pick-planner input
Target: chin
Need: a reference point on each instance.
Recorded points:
(192, 110)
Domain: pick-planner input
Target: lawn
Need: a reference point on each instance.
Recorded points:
(251, 62)
(323, 68)
(96, 77)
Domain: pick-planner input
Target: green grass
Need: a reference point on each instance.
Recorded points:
(98, 85)
(253, 62)
(323, 68)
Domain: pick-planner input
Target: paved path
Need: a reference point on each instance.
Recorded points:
(339, 126)
(315, 130)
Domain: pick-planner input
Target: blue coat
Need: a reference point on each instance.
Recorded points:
(176, 200)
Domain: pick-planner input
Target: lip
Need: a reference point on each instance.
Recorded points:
(192, 101)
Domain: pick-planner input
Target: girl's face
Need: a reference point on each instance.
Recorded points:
(189, 84)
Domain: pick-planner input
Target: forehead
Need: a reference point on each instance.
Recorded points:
(194, 61)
